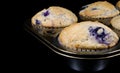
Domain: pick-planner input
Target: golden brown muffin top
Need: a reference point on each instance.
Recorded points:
(118, 4)
(88, 35)
(100, 9)
(115, 22)
(54, 16)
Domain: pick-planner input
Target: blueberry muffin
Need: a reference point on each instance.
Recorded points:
(49, 22)
(101, 11)
(115, 22)
(87, 36)
(118, 5)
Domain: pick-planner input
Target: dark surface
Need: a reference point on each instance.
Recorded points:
(33, 55)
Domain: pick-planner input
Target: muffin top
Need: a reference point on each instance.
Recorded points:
(99, 9)
(115, 22)
(87, 35)
(118, 4)
(54, 16)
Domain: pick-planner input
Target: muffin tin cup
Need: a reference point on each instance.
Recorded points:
(91, 51)
(47, 31)
(85, 65)
(84, 61)
(105, 21)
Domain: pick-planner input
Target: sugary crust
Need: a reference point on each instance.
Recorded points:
(58, 17)
(77, 37)
(103, 9)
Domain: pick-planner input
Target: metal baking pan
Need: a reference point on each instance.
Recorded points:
(78, 61)
(54, 45)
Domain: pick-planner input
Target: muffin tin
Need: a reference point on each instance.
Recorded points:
(53, 44)
(82, 61)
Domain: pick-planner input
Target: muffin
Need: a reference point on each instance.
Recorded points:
(115, 22)
(87, 36)
(49, 22)
(101, 11)
(118, 5)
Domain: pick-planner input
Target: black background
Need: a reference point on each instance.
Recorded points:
(33, 56)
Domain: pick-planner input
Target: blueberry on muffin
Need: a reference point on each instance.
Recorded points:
(49, 22)
(101, 11)
(87, 36)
